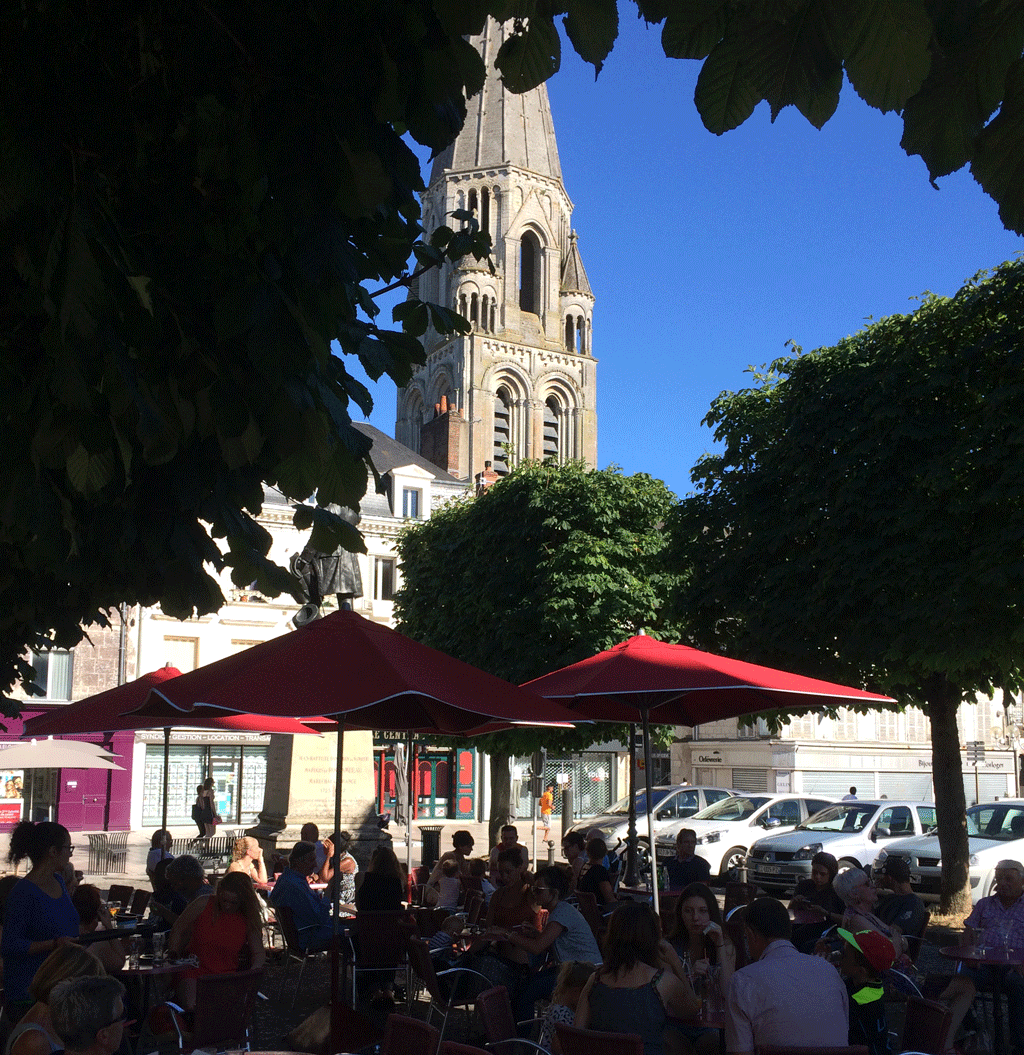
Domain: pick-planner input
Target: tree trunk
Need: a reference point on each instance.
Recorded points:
(943, 700)
(501, 793)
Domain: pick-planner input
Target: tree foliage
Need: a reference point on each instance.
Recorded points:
(548, 566)
(864, 520)
(198, 202)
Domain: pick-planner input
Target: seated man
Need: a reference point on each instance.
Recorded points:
(997, 920)
(901, 907)
(509, 838)
(574, 850)
(310, 833)
(312, 915)
(185, 876)
(686, 867)
(88, 1015)
(769, 1001)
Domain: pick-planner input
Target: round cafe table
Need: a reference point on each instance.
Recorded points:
(989, 956)
(145, 973)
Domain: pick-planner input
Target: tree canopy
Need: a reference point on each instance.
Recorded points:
(864, 519)
(198, 202)
(548, 566)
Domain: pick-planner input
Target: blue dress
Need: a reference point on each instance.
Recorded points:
(31, 915)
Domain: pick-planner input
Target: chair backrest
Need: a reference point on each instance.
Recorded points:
(402, 1035)
(453, 1047)
(591, 913)
(733, 927)
(495, 1009)
(429, 920)
(738, 894)
(927, 1026)
(286, 921)
(574, 1041)
(382, 938)
(140, 902)
(415, 882)
(224, 1007)
(915, 941)
(783, 1049)
(119, 892)
(423, 966)
(474, 907)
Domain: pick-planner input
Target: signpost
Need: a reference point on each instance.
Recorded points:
(976, 754)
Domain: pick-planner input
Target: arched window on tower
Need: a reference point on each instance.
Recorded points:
(494, 315)
(581, 343)
(529, 273)
(462, 305)
(552, 430)
(474, 310)
(485, 209)
(568, 332)
(502, 431)
(472, 202)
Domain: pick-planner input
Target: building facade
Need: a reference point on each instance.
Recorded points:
(522, 384)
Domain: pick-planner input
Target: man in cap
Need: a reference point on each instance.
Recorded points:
(866, 955)
(900, 907)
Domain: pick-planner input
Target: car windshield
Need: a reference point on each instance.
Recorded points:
(843, 817)
(622, 806)
(735, 808)
(1002, 821)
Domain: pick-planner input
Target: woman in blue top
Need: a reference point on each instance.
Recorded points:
(38, 915)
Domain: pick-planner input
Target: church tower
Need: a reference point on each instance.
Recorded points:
(522, 384)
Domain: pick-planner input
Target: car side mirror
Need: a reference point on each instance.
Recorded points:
(663, 815)
(771, 822)
(884, 832)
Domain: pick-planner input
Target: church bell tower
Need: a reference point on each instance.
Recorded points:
(522, 384)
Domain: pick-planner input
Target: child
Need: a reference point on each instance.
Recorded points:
(572, 977)
(866, 955)
(478, 870)
(448, 886)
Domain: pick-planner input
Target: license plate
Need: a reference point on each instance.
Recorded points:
(770, 870)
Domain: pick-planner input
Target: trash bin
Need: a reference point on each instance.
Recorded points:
(430, 834)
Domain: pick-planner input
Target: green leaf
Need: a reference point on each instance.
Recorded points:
(527, 59)
(592, 26)
(886, 45)
(413, 316)
(693, 29)
(89, 472)
(999, 161)
(725, 96)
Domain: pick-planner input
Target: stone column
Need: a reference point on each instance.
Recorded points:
(301, 787)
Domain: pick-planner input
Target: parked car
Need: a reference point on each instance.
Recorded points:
(671, 803)
(995, 832)
(851, 831)
(726, 830)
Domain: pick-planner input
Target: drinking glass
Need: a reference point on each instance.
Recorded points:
(134, 949)
(158, 946)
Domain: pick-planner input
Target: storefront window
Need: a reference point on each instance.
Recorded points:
(239, 773)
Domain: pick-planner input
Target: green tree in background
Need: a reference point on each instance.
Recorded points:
(864, 520)
(548, 566)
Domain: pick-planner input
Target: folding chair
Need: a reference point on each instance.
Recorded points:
(444, 988)
(575, 1041)
(380, 942)
(293, 949)
(927, 1026)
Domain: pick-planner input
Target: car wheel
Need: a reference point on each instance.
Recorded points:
(849, 862)
(732, 862)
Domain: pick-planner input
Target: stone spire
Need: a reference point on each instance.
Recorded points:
(502, 128)
(574, 275)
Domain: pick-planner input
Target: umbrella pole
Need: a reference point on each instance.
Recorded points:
(337, 1026)
(167, 771)
(408, 806)
(632, 872)
(645, 715)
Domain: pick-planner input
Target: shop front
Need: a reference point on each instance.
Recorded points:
(237, 762)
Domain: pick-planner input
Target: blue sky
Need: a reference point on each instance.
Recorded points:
(706, 254)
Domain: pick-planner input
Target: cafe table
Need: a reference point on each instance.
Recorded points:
(147, 969)
(989, 956)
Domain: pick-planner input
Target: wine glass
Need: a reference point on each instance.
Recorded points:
(113, 907)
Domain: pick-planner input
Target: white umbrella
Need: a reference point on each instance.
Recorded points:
(83, 746)
(52, 754)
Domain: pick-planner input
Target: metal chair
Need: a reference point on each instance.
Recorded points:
(115, 852)
(928, 1026)
(403, 1035)
(122, 893)
(443, 988)
(474, 908)
(225, 1004)
(576, 1041)
(380, 942)
(494, 1006)
(293, 949)
(139, 902)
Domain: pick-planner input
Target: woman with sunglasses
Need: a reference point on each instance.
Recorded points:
(38, 914)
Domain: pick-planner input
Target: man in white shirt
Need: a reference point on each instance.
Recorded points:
(784, 997)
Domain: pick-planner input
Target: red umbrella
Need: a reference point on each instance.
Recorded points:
(645, 680)
(104, 713)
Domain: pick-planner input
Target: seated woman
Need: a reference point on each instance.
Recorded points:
(348, 866)
(566, 933)
(216, 929)
(159, 850)
(594, 878)
(247, 858)
(634, 990)
(859, 895)
(93, 916)
(34, 1034)
(815, 905)
(701, 954)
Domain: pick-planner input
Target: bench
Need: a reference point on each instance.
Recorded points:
(216, 850)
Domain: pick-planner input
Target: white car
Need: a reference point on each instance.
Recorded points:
(726, 830)
(995, 832)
